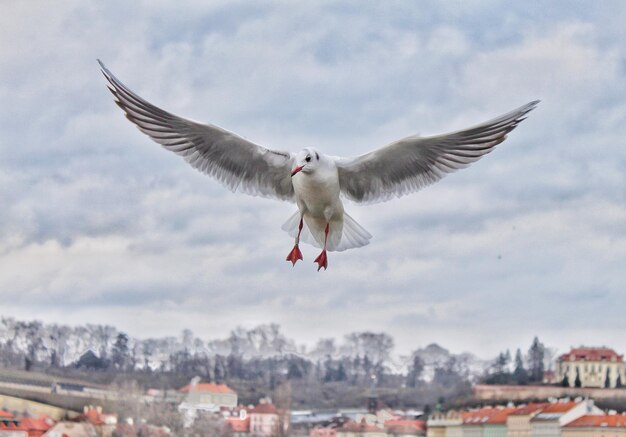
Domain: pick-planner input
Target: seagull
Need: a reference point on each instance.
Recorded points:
(314, 181)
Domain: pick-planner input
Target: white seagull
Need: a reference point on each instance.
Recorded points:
(314, 181)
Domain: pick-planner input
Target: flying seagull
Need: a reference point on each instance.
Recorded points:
(314, 181)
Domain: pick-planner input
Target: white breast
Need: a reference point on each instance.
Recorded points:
(318, 191)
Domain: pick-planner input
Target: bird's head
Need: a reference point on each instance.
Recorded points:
(307, 161)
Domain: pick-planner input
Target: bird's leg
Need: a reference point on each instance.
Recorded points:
(322, 259)
(295, 253)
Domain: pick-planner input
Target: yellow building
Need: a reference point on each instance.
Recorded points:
(518, 422)
(444, 424)
(592, 366)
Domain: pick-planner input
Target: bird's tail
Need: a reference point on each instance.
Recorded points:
(353, 235)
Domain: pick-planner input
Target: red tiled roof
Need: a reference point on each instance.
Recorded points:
(417, 424)
(528, 409)
(480, 416)
(207, 387)
(42, 423)
(5, 414)
(239, 425)
(558, 407)
(592, 354)
(500, 417)
(610, 421)
(263, 409)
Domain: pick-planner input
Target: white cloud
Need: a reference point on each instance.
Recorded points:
(98, 218)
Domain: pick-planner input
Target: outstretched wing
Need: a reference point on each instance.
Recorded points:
(232, 160)
(414, 162)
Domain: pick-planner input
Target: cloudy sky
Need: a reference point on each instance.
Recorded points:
(99, 224)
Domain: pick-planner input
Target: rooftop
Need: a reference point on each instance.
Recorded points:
(592, 354)
(265, 408)
(207, 387)
(610, 421)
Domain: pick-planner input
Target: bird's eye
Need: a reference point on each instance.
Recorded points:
(307, 159)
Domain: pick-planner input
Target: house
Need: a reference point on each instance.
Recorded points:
(37, 426)
(237, 420)
(612, 425)
(495, 425)
(485, 421)
(444, 424)
(549, 421)
(591, 367)
(266, 420)
(205, 397)
(212, 396)
(518, 422)
(10, 426)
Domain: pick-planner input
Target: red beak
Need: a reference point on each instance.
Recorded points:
(296, 170)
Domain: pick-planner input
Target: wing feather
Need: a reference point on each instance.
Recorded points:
(233, 161)
(414, 162)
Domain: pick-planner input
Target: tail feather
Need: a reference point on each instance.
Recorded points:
(291, 227)
(353, 235)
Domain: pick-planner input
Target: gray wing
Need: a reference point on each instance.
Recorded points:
(414, 162)
(232, 160)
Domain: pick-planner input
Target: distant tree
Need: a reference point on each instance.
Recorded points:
(415, 371)
(607, 380)
(618, 383)
(219, 370)
(427, 410)
(577, 382)
(329, 371)
(535, 361)
(341, 373)
(120, 354)
(565, 382)
(294, 371)
(235, 366)
(448, 375)
(520, 375)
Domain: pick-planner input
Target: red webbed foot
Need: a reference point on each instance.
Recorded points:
(294, 255)
(322, 260)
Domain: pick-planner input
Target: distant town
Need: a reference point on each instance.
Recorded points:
(60, 381)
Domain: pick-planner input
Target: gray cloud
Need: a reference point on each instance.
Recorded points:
(530, 239)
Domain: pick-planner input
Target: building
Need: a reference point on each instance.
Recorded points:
(237, 420)
(213, 396)
(484, 421)
(591, 367)
(518, 422)
(496, 424)
(444, 424)
(205, 397)
(11, 426)
(266, 420)
(612, 425)
(549, 421)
